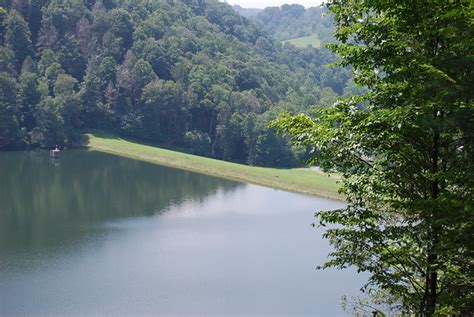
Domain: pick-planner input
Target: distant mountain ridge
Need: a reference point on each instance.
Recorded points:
(291, 21)
(246, 12)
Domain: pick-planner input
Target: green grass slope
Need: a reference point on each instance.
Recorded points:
(300, 180)
(305, 41)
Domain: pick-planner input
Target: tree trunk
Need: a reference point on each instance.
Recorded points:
(432, 274)
(431, 286)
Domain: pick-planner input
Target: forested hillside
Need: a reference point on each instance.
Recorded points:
(293, 21)
(191, 74)
(246, 12)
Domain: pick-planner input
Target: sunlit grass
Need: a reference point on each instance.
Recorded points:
(301, 180)
(305, 41)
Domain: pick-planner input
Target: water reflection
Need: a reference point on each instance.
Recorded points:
(95, 234)
(45, 202)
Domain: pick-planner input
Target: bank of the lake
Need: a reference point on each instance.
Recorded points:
(300, 180)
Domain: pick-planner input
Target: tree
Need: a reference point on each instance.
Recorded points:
(404, 149)
(49, 130)
(271, 150)
(3, 17)
(199, 142)
(18, 38)
(68, 53)
(63, 15)
(7, 60)
(121, 26)
(9, 130)
(100, 73)
(28, 97)
(34, 17)
(85, 37)
(165, 101)
(68, 108)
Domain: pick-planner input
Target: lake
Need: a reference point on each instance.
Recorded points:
(93, 234)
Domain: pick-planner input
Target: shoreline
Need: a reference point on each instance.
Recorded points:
(298, 180)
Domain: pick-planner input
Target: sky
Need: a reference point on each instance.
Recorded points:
(273, 3)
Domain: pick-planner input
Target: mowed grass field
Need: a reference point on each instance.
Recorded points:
(305, 41)
(299, 180)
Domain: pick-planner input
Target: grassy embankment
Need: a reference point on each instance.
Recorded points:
(300, 180)
(305, 41)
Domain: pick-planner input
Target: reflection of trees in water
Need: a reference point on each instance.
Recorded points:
(41, 201)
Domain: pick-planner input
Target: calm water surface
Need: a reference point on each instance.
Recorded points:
(93, 233)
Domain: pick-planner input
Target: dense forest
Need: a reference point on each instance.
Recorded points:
(187, 74)
(292, 21)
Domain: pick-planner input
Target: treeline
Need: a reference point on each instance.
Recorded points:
(191, 74)
(292, 21)
(246, 12)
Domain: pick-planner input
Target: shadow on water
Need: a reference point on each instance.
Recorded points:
(46, 204)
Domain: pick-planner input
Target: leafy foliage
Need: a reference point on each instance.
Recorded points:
(168, 72)
(405, 150)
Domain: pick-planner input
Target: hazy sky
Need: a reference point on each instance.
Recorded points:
(273, 3)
